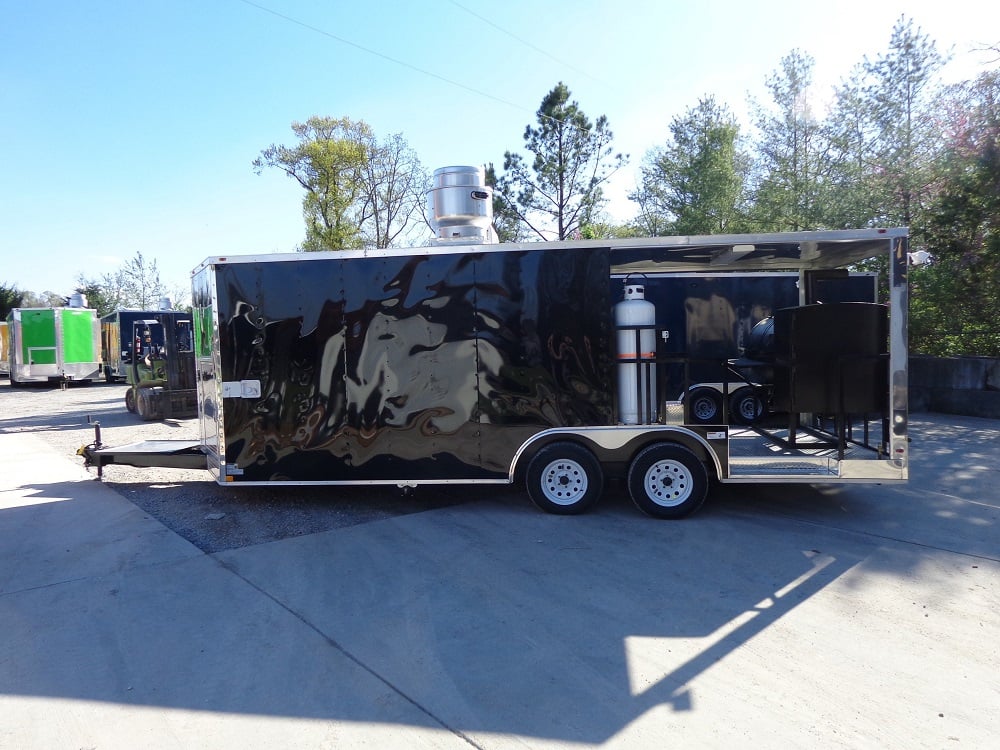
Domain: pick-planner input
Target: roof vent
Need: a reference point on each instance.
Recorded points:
(460, 206)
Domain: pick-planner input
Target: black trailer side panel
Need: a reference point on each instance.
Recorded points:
(416, 367)
(544, 331)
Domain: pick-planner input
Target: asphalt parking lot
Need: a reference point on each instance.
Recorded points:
(159, 610)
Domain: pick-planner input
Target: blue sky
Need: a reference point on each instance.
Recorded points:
(131, 125)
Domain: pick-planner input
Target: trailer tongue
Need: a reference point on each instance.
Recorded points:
(169, 454)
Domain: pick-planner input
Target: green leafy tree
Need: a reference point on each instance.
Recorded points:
(790, 168)
(359, 191)
(899, 91)
(328, 163)
(571, 158)
(650, 219)
(605, 230)
(135, 285)
(506, 220)
(695, 183)
(956, 299)
(10, 297)
(44, 299)
(97, 299)
(852, 134)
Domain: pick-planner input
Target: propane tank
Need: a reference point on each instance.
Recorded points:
(635, 319)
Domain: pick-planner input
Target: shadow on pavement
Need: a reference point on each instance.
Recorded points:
(482, 617)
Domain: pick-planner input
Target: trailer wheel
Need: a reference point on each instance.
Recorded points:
(564, 478)
(667, 481)
(130, 399)
(745, 406)
(705, 406)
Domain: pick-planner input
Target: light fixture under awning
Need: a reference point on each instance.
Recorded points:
(731, 254)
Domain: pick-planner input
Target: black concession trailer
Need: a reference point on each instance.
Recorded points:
(543, 363)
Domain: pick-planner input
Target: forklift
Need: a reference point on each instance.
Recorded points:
(161, 371)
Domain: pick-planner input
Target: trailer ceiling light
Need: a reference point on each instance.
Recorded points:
(732, 254)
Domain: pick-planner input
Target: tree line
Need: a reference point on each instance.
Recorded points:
(893, 147)
(135, 285)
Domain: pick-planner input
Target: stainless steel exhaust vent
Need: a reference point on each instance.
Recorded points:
(460, 205)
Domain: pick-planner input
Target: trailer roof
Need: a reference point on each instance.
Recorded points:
(791, 251)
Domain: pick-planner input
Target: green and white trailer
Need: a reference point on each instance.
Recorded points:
(53, 345)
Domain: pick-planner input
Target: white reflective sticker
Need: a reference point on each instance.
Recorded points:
(241, 389)
(251, 388)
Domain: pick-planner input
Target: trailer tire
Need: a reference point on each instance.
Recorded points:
(705, 406)
(130, 399)
(564, 478)
(667, 481)
(746, 407)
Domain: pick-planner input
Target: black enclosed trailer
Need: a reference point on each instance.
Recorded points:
(498, 363)
(121, 345)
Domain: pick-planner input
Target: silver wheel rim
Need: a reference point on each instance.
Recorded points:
(564, 482)
(668, 483)
(704, 408)
(748, 408)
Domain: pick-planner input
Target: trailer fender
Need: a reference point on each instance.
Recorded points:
(618, 444)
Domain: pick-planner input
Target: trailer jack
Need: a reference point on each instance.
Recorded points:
(87, 451)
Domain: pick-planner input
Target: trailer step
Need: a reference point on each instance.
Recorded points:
(769, 467)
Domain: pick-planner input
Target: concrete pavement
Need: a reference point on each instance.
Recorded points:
(780, 616)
